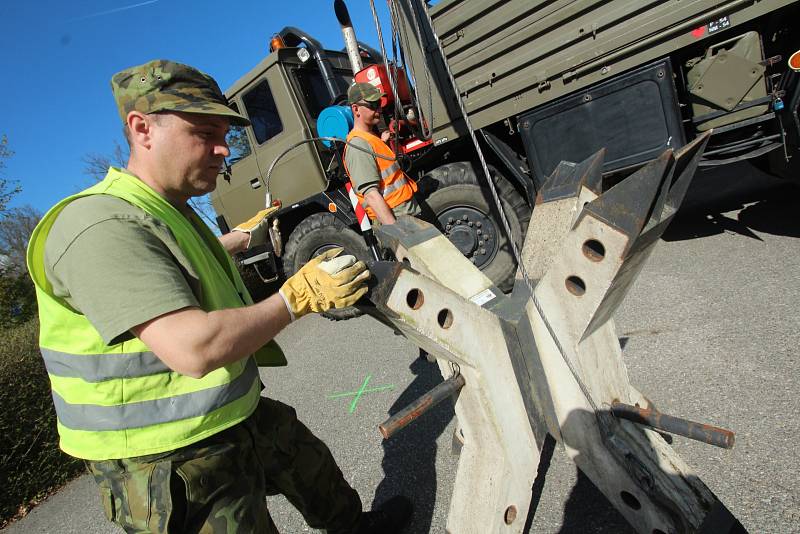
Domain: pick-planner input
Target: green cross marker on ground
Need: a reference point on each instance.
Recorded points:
(361, 391)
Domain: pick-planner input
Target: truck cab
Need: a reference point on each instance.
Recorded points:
(282, 96)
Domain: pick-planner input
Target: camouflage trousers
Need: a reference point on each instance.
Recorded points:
(219, 484)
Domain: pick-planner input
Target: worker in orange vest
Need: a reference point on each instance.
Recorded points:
(380, 184)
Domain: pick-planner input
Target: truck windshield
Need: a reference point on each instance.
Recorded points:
(315, 94)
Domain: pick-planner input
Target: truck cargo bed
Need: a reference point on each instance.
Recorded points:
(511, 56)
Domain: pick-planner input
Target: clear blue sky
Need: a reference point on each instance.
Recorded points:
(58, 57)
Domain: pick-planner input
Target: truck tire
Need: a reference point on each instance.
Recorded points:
(466, 213)
(313, 236)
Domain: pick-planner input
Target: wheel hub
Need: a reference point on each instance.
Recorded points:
(472, 233)
(463, 238)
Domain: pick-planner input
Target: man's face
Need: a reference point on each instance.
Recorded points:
(190, 150)
(370, 112)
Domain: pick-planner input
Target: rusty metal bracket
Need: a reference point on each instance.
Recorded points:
(420, 406)
(712, 435)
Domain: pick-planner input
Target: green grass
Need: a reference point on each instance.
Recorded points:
(32, 464)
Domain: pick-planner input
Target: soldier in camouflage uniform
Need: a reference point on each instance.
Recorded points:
(219, 481)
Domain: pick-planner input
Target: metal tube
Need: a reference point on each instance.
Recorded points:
(349, 36)
(294, 36)
(372, 243)
(421, 405)
(674, 425)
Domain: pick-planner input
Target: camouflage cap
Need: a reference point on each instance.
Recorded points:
(163, 85)
(363, 92)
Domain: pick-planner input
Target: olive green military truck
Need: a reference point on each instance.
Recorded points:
(541, 81)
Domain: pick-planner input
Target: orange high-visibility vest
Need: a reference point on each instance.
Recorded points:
(395, 186)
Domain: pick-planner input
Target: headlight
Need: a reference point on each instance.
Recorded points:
(303, 54)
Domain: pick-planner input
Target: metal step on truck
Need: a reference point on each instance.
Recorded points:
(541, 82)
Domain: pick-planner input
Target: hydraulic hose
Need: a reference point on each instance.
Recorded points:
(314, 139)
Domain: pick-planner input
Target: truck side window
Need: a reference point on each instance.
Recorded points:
(238, 144)
(263, 112)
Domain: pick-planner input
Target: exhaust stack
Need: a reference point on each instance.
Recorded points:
(349, 34)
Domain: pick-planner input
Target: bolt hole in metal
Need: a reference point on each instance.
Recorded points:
(575, 285)
(594, 250)
(415, 299)
(511, 514)
(630, 500)
(445, 318)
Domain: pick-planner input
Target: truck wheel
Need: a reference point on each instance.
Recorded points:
(467, 215)
(313, 236)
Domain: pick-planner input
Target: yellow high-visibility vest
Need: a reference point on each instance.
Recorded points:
(120, 401)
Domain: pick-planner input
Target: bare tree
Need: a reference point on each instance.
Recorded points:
(237, 144)
(8, 188)
(96, 165)
(16, 227)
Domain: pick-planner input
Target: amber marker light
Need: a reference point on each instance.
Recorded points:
(276, 43)
(332, 207)
(794, 61)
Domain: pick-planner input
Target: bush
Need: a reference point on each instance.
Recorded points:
(17, 299)
(33, 465)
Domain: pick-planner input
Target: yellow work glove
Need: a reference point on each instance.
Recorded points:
(257, 227)
(325, 282)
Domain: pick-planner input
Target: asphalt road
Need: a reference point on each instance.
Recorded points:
(710, 333)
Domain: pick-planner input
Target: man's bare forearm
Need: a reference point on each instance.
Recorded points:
(383, 212)
(234, 242)
(194, 342)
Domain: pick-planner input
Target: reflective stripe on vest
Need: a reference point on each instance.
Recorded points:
(154, 412)
(389, 189)
(100, 367)
(390, 170)
(395, 187)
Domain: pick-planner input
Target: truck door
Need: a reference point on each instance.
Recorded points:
(277, 124)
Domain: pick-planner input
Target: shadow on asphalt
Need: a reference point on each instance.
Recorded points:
(409, 465)
(764, 204)
(409, 457)
(588, 510)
